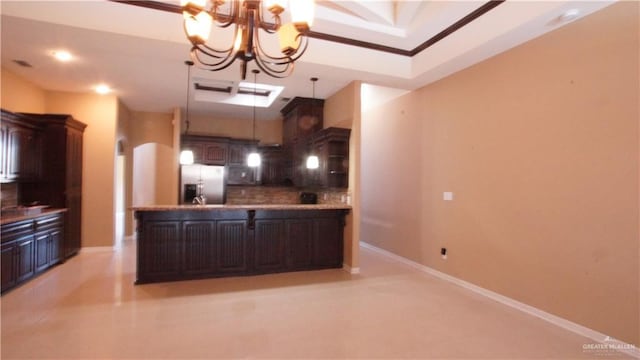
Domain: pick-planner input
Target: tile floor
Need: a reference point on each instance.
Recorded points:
(89, 308)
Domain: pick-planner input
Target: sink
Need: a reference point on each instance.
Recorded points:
(23, 210)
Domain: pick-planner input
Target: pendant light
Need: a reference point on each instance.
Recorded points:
(253, 160)
(186, 156)
(312, 160)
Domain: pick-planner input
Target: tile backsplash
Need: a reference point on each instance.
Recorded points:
(8, 194)
(282, 195)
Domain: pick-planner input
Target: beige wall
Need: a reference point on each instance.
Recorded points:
(152, 162)
(342, 109)
(267, 131)
(123, 134)
(149, 127)
(540, 147)
(19, 95)
(100, 113)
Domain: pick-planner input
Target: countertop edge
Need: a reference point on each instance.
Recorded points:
(11, 219)
(241, 207)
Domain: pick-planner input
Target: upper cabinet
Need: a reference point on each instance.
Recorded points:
(239, 172)
(331, 146)
(224, 151)
(303, 135)
(20, 148)
(302, 117)
(207, 150)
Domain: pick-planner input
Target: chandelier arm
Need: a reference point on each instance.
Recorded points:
(223, 20)
(215, 53)
(286, 71)
(268, 27)
(281, 60)
(206, 49)
(214, 66)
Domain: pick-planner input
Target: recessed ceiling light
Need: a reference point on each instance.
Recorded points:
(569, 15)
(103, 89)
(62, 55)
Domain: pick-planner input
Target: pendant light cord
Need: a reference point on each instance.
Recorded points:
(255, 76)
(313, 96)
(189, 63)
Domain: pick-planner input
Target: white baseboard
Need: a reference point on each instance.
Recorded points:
(350, 270)
(610, 343)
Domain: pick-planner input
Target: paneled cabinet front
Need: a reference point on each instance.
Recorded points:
(172, 250)
(29, 247)
(208, 151)
(20, 148)
(175, 245)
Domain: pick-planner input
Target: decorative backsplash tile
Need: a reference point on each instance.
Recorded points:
(8, 194)
(238, 195)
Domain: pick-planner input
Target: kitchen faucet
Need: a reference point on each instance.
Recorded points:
(200, 200)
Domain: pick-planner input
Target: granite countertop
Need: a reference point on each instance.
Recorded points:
(6, 219)
(244, 207)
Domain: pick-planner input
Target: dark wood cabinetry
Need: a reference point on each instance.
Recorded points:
(20, 148)
(29, 247)
(60, 185)
(302, 117)
(331, 146)
(303, 135)
(239, 172)
(274, 165)
(215, 150)
(190, 244)
(207, 150)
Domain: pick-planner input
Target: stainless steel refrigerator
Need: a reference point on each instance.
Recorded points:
(202, 184)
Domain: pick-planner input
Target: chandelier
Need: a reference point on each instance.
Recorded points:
(247, 17)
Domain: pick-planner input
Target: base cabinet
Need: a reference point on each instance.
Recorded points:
(180, 245)
(30, 247)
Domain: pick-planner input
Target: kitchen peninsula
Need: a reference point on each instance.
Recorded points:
(181, 242)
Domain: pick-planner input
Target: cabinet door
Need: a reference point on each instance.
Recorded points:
(269, 245)
(3, 151)
(8, 266)
(231, 250)
(237, 154)
(196, 148)
(299, 246)
(22, 153)
(199, 247)
(55, 246)
(241, 175)
(161, 249)
(72, 224)
(215, 153)
(42, 251)
(25, 251)
(74, 159)
(327, 242)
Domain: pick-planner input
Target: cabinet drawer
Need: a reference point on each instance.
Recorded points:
(14, 230)
(48, 222)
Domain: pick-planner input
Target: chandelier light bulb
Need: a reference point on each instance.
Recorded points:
(302, 13)
(198, 27)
